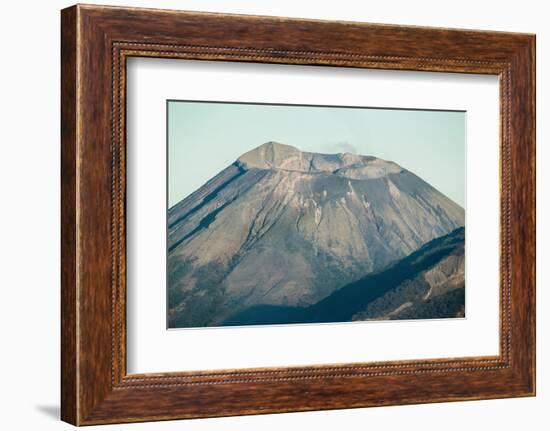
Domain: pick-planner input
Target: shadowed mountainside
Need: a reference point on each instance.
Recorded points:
(427, 284)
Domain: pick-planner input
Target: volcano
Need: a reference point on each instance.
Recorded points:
(283, 227)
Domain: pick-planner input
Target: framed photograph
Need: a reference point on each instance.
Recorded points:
(322, 234)
(265, 214)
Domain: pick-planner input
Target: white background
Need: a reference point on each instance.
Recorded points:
(29, 228)
(151, 348)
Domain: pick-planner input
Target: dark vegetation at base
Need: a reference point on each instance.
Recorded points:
(449, 304)
(343, 304)
(410, 291)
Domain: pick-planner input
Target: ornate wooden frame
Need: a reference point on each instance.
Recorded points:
(95, 42)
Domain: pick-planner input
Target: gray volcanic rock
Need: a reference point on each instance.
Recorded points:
(285, 227)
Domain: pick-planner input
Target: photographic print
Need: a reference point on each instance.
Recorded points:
(301, 214)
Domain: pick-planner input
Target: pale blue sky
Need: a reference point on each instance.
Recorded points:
(206, 137)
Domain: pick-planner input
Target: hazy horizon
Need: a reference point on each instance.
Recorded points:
(206, 137)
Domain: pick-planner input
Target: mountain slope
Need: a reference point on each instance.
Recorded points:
(285, 227)
(427, 284)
